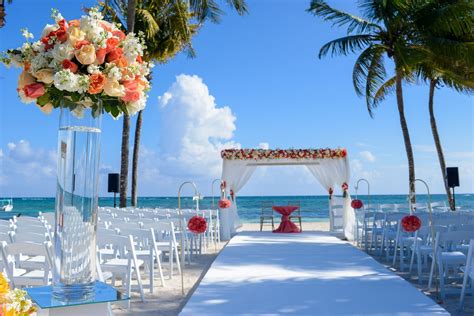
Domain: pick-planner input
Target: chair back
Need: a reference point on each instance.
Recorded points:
(447, 241)
(296, 203)
(267, 208)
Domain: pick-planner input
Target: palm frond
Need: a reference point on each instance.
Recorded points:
(239, 5)
(384, 90)
(340, 18)
(346, 45)
(150, 24)
(206, 9)
(375, 77)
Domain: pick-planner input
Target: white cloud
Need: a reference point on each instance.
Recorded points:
(264, 145)
(367, 155)
(193, 129)
(26, 170)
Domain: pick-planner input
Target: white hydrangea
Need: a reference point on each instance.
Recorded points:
(93, 69)
(38, 46)
(82, 83)
(39, 62)
(66, 80)
(55, 65)
(62, 51)
(92, 28)
(113, 71)
(95, 13)
(26, 34)
(56, 15)
(134, 107)
(132, 47)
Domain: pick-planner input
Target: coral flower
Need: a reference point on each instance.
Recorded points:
(34, 90)
(67, 64)
(96, 83)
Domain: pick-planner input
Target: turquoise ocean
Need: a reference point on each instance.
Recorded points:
(313, 208)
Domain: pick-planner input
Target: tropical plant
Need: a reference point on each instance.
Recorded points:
(169, 26)
(444, 32)
(384, 32)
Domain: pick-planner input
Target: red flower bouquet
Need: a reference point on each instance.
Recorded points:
(357, 204)
(224, 203)
(411, 223)
(197, 224)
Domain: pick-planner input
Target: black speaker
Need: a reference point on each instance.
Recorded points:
(113, 184)
(452, 174)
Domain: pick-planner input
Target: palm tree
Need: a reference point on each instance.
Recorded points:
(444, 33)
(168, 26)
(2, 12)
(382, 33)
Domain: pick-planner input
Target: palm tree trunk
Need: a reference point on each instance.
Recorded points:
(136, 149)
(437, 141)
(124, 161)
(406, 136)
(126, 121)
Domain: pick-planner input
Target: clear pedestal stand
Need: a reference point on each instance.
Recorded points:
(99, 304)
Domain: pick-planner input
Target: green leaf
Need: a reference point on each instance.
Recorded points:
(44, 99)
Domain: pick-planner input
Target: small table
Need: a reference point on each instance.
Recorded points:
(286, 226)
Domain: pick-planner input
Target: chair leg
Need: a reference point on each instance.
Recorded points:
(301, 226)
(419, 264)
(160, 270)
(152, 273)
(261, 223)
(430, 281)
(463, 291)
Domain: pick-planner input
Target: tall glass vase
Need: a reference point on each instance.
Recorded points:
(76, 204)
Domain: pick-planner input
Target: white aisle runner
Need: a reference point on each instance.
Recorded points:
(302, 274)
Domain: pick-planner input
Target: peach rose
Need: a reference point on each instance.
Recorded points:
(67, 64)
(75, 23)
(34, 90)
(96, 83)
(44, 75)
(46, 109)
(100, 56)
(106, 26)
(113, 88)
(75, 35)
(86, 54)
(25, 79)
(115, 54)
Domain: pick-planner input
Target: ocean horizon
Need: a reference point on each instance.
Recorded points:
(313, 207)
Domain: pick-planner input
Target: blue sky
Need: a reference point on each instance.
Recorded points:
(256, 79)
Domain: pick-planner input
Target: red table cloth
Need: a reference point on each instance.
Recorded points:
(286, 226)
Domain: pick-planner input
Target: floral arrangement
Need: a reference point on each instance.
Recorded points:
(357, 204)
(331, 192)
(82, 64)
(411, 223)
(224, 203)
(344, 187)
(14, 302)
(197, 224)
(256, 154)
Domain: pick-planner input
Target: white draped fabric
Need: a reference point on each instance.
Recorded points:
(236, 173)
(330, 173)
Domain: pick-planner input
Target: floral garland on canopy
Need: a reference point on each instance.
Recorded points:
(82, 63)
(257, 154)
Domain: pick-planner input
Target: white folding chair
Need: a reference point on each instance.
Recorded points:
(166, 242)
(20, 277)
(125, 265)
(468, 270)
(147, 251)
(446, 256)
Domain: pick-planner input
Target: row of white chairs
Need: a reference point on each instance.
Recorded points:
(444, 248)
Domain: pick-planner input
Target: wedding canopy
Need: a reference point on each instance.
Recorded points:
(330, 167)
